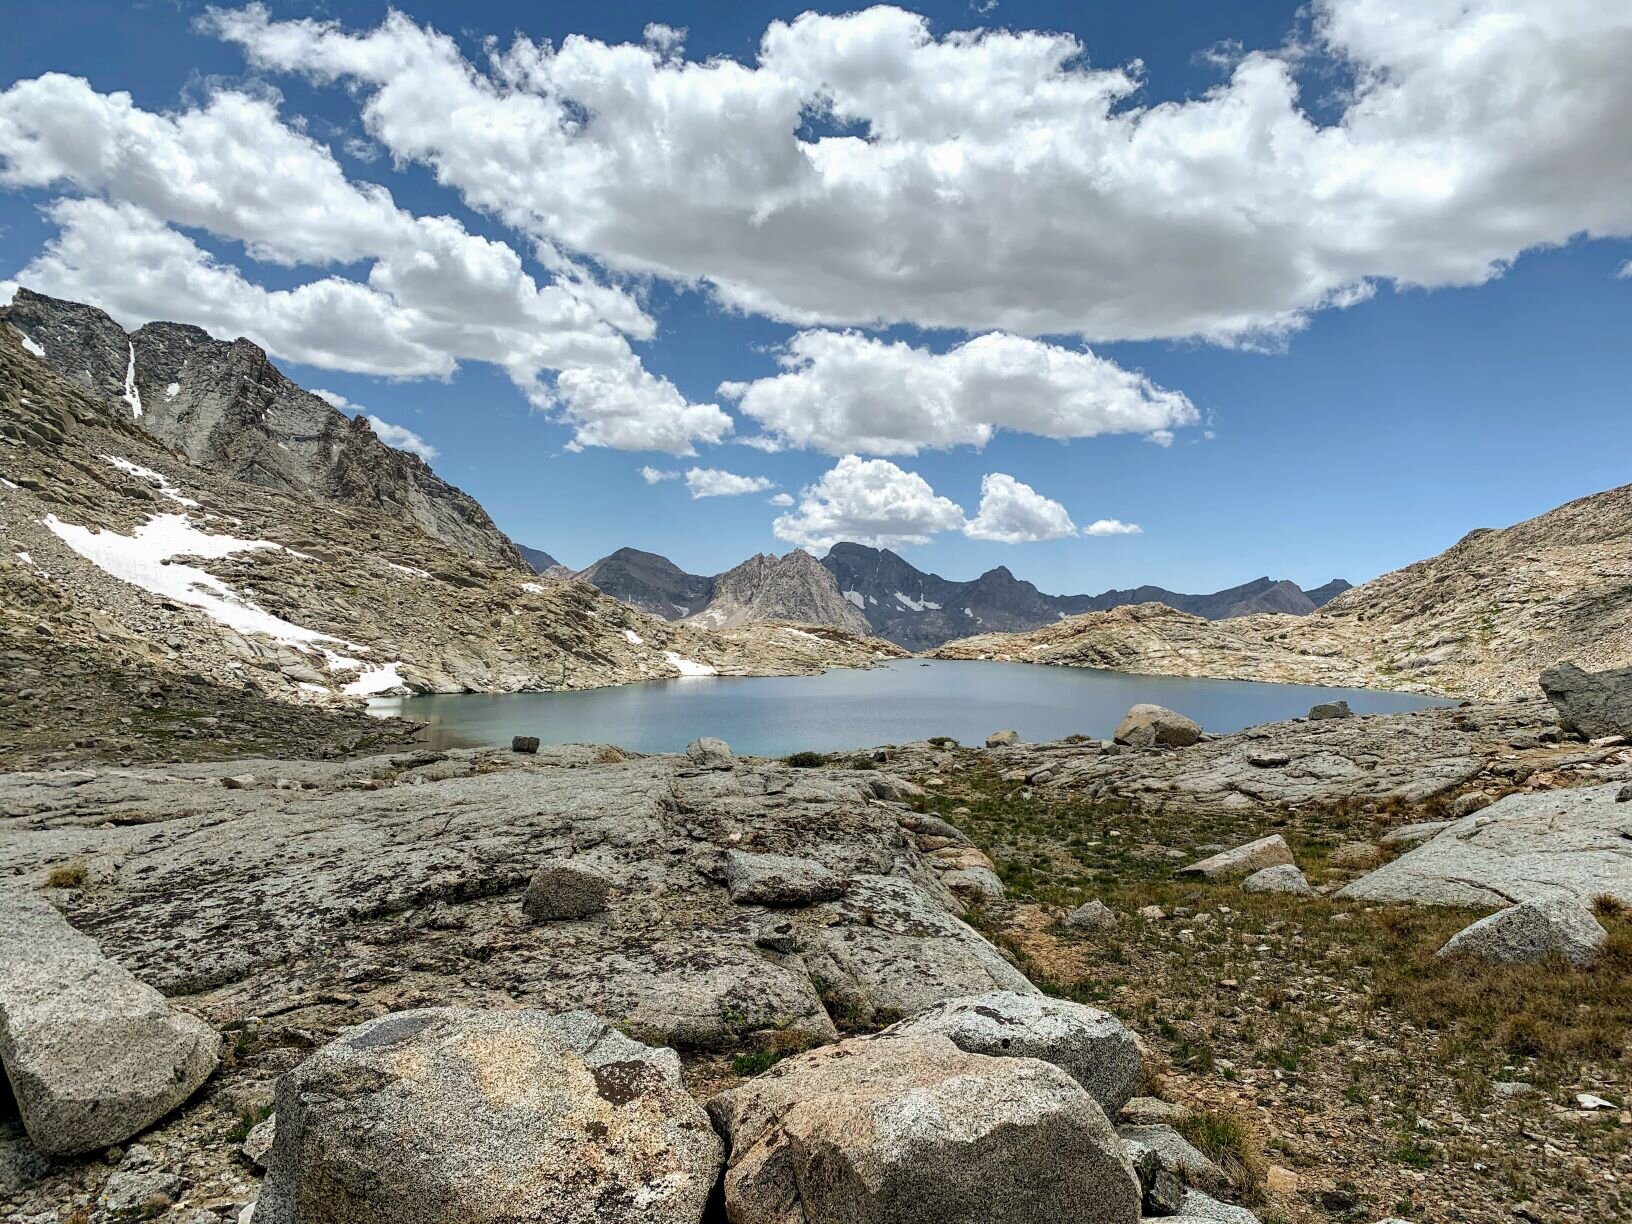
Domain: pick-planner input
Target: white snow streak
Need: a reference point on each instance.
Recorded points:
(173, 390)
(412, 570)
(855, 598)
(688, 667)
(152, 477)
(133, 397)
(375, 680)
(634, 638)
(31, 345)
(917, 605)
(532, 588)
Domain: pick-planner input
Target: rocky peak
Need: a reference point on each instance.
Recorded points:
(796, 587)
(652, 583)
(228, 408)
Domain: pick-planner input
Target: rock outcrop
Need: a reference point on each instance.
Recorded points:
(1570, 843)
(791, 588)
(455, 1116)
(1535, 930)
(92, 1054)
(1255, 856)
(1593, 704)
(885, 1129)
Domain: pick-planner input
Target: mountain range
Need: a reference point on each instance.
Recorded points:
(878, 591)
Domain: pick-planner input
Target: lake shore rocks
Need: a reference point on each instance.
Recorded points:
(93, 1055)
(900, 1127)
(1154, 726)
(456, 1116)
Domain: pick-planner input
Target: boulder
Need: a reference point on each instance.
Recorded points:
(563, 888)
(1414, 834)
(457, 1116)
(1330, 709)
(1284, 878)
(1522, 846)
(1152, 1111)
(1094, 916)
(778, 879)
(1469, 803)
(1354, 854)
(711, 753)
(1531, 931)
(524, 743)
(257, 1145)
(1271, 851)
(1173, 1152)
(1592, 704)
(93, 1055)
(888, 949)
(1154, 726)
(1002, 739)
(1091, 1046)
(896, 1128)
(1198, 1206)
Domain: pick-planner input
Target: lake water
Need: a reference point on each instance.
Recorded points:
(910, 699)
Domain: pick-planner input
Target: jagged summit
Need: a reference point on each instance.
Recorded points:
(226, 407)
(795, 587)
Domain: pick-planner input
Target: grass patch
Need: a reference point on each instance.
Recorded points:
(806, 760)
(1231, 1142)
(68, 875)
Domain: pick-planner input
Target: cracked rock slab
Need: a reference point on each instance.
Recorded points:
(1576, 843)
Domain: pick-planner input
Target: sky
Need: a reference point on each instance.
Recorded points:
(1178, 292)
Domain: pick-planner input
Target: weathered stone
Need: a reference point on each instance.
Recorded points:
(1173, 1152)
(894, 1129)
(1199, 1206)
(1414, 834)
(147, 1191)
(1165, 1194)
(1592, 704)
(1091, 1046)
(1094, 916)
(1353, 855)
(1330, 709)
(1531, 931)
(562, 888)
(1151, 1111)
(1002, 739)
(524, 743)
(711, 753)
(456, 1116)
(257, 1145)
(1284, 878)
(93, 1055)
(778, 879)
(886, 950)
(1271, 851)
(1154, 726)
(1469, 803)
(1520, 847)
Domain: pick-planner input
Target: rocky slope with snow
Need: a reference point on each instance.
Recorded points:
(1482, 619)
(150, 571)
(231, 411)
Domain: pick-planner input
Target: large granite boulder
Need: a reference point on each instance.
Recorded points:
(454, 1116)
(902, 1128)
(93, 1055)
(1271, 851)
(1542, 844)
(562, 888)
(1154, 726)
(778, 879)
(1091, 1046)
(1592, 703)
(711, 753)
(887, 949)
(1531, 931)
(1283, 878)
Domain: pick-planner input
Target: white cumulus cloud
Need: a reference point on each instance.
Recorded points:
(1015, 513)
(1000, 179)
(844, 392)
(1110, 527)
(402, 438)
(652, 475)
(713, 482)
(782, 499)
(868, 501)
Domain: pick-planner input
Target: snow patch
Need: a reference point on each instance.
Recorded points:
(532, 588)
(411, 570)
(31, 345)
(7, 483)
(967, 612)
(173, 390)
(684, 611)
(634, 638)
(856, 598)
(24, 558)
(917, 605)
(152, 477)
(375, 680)
(688, 667)
(801, 633)
(133, 397)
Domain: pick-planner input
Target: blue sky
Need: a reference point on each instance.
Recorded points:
(1361, 328)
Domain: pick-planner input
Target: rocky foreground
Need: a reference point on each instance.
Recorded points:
(580, 985)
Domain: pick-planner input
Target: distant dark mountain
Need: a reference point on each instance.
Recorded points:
(537, 558)
(1323, 595)
(651, 583)
(920, 610)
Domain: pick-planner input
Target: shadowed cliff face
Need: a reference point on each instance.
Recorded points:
(230, 410)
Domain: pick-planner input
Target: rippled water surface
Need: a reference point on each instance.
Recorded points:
(909, 699)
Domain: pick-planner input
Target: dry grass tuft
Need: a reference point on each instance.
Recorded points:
(68, 875)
